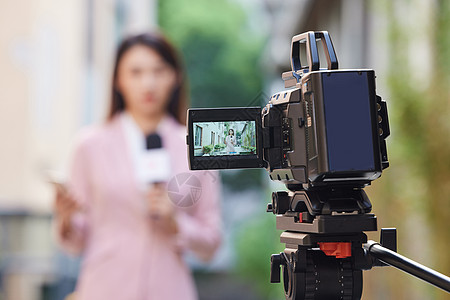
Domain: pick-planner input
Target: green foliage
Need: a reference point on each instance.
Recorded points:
(247, 140)
(221, 54)
(417, 185)
(207, 149)
(251, 148)
(239, 180)
(219, 146)
(257, 241)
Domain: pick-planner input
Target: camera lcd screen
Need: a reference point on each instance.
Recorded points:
(224, 138)
(347, 103)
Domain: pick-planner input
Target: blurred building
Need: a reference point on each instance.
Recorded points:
(56, 59)
(356, 28)
(207, 133)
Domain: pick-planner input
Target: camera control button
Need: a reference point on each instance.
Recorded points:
(301, 122)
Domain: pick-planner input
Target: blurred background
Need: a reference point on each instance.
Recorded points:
(55, 72)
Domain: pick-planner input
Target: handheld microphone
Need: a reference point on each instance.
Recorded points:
(154, 166)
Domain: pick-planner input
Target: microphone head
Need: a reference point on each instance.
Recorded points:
(153, 141)
(154, 163)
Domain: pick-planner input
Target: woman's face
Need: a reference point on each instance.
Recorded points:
(145, 80)
(230, 132)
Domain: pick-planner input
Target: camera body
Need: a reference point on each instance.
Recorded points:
(329, 129)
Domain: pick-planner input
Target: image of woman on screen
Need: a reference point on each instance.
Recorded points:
(230, 141)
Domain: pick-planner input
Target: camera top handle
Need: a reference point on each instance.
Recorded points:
(312, 54)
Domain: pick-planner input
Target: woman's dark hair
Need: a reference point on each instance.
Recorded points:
(178, 100)
(231, 130)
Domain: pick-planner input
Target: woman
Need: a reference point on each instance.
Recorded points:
(230, 141)
(132, 238)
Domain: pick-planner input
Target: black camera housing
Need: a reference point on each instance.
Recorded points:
(331, 131)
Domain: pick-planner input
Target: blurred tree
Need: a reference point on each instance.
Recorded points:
(414, 193)
(220, 51)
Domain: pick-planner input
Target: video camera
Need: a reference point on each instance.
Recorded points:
(329, 129)
(325, 139)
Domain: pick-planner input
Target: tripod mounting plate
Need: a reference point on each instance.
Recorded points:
(294, 239)
(329, 224)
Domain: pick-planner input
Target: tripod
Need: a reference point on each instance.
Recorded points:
(326, 248)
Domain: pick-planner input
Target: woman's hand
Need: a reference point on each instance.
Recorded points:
(161, 210)
(65, 206)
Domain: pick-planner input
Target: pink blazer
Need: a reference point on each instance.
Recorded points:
(123, 256)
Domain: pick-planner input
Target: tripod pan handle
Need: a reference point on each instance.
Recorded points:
(409, 266)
